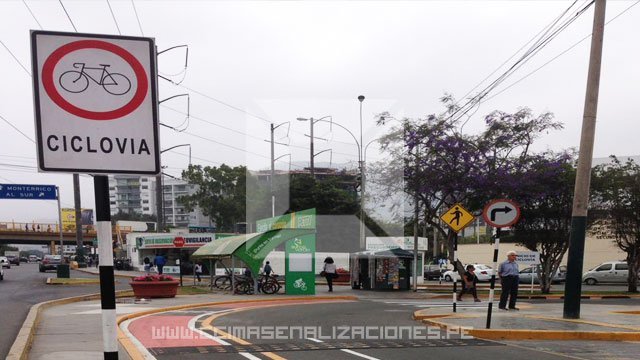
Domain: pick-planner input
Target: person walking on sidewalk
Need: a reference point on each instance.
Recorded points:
(159, 261)
(509, 279)
(329, 271)
(198, 271)
(469, 281)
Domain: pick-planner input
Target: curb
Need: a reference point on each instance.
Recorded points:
(132, 350)
(510, 334)
(20, 348)
(116, 275)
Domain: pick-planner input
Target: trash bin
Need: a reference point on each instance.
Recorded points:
(63, 271)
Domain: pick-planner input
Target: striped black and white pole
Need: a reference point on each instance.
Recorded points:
(455, 270)
(496, 246)
(107, 283)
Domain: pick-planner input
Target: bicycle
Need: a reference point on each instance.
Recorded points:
(269, 284)
(76, 82)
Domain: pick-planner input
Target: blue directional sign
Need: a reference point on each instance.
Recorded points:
(28, 192)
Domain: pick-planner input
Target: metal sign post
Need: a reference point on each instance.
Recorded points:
(457, 218)
(498, 213)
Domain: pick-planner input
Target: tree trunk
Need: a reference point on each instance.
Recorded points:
(632, 279)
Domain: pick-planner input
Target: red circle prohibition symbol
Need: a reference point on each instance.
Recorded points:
(58, 54)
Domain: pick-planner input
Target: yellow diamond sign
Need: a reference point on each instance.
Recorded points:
(457, 217)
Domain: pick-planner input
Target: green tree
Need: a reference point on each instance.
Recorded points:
(222, 194)
(615, 199)
(132, 216)
(330, 196)
(546, 201)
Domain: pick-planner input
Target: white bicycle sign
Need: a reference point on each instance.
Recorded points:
(300, 284)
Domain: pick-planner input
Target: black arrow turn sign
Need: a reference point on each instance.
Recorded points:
(501, 213)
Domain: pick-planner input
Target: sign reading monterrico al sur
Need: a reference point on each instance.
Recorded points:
(167, 241)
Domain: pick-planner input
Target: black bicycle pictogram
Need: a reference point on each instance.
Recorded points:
(75, 81)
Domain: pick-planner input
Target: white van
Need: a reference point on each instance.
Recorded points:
(33, 258)
(608, 272)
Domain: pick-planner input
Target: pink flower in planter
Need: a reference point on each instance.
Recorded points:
(153, 278)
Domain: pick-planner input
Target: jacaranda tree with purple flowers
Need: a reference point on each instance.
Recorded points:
(442, 166)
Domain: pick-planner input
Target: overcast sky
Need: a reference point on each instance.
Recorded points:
(253, 63)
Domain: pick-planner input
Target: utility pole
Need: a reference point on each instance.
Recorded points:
(78, 212)
(159, 201)
(313, 174)
(362, 181)
(573, 286)
(273, 172)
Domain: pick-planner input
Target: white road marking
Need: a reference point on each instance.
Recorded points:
(348, 351)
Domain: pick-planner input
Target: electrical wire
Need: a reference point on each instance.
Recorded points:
(135, 11)
(16, 59)
(32, 15)
(114, 18)
(68, 17)
(560, 54)
(16, 129)
(538, 45)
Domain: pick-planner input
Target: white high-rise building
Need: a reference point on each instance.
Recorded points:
(132, 194)
(137, 194)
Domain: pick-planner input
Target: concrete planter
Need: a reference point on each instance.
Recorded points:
(154, 289)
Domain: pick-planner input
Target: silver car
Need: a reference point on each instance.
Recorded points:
(559, 276)
(608, 272)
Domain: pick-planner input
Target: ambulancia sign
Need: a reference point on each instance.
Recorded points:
(95, 103)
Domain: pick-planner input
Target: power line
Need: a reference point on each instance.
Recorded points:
(137, 18)
(560, 54)
(32, 15)
(114, 18)
(16, 59)
(68, 17)
(538, 45)
(16, 129)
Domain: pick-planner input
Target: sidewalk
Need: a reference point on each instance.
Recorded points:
(540, 321)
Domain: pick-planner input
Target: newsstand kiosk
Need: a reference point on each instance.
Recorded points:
(381, 270)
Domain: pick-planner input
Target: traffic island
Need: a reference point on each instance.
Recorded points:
(541, 321)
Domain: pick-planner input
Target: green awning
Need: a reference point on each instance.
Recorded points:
(250, 248)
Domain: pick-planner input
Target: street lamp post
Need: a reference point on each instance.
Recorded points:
(159, 190)
(362, 181)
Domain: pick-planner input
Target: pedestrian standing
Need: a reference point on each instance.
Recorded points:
(90, 261)
(329, 271)
(509, 279)
(147, 265)
(159, 262)
(267, 269)
(198, 271)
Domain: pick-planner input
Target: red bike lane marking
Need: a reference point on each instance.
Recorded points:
(161, 331)
(166, 331)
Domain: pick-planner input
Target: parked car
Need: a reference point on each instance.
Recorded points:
(50, 262)
(433, 272)
(5, 262)
(607, 272)
(14, 260)
(483, 272)
(559, 276)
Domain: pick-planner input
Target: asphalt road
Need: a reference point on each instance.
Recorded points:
(24, 286)
(361, 314)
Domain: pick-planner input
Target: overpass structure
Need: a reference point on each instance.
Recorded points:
(46, 234)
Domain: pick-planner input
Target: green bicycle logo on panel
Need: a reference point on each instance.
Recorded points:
(299, 247)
